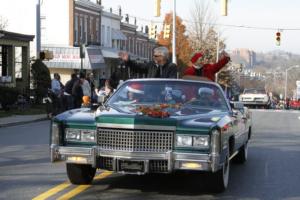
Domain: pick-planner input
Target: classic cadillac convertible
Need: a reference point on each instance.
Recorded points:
(154, 126)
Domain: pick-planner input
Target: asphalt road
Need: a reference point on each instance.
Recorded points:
(271, 172)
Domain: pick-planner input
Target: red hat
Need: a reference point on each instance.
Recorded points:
(135, 88)
(196, 57)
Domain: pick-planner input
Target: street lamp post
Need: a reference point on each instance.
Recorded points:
(174, 33)
(286, 71)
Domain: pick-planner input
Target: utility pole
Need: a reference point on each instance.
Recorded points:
(174, 33)
(217, 56)
(38, 29)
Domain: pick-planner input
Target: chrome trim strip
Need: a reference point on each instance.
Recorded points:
(234, 154)
(191, 156)
(135, 155)
(136, 126)
(75, 151)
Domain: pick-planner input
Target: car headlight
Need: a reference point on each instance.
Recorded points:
(200, 141)
(80, 135)
(183, 140)
(73, 135)
(196, 141)
(88, 136)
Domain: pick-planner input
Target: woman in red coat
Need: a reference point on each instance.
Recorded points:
(198, 67)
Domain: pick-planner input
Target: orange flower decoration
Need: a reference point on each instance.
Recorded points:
(157, 110)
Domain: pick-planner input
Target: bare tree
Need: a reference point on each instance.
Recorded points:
(3, 23)
(202, 31)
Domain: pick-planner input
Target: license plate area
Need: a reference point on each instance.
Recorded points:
(131, 166)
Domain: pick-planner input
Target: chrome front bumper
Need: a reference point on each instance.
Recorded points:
(175, 160)
(255, 103)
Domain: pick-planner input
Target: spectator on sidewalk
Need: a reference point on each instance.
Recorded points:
(86, 88)
(57, 90)
(68, 91)
(77, 93)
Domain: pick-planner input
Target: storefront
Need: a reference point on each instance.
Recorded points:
(66, 60)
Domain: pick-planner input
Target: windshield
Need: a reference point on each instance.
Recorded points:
(254, 91)
(174, 93)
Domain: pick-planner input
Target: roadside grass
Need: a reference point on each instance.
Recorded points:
(30, 110)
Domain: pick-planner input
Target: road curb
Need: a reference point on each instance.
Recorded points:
(23, 122)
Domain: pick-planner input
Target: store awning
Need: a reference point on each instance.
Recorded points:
(68, 57)
(110, 53)
(96, 59)
(118, 35)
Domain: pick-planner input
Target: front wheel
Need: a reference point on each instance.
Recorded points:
(242, 155)
(221, 177)
(80, 174)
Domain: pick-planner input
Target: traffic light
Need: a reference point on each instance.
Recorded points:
(224, 4)
(278, 34)
(157, 8)
(167, 29)
(153, 31)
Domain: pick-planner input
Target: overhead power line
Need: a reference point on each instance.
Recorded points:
(220, 25)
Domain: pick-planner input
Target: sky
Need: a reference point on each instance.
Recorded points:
(274, 14)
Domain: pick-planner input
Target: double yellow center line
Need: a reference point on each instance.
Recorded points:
(71, 193)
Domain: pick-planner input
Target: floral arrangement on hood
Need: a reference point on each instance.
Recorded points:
(157, 111)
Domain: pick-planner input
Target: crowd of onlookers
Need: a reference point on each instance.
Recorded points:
(80, 90)
(277, 103)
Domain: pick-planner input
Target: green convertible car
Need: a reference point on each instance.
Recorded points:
(154, 126)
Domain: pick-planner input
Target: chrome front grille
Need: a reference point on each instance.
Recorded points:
(134, 140)
(158, 166)
(106, 163)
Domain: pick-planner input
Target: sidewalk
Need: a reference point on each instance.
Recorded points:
(21, 119)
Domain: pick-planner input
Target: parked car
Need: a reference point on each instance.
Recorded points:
(255, 98)
(154, 126)
(295, 104)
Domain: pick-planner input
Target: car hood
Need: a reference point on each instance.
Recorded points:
(253, 95)
(82, 116)
(179, 119)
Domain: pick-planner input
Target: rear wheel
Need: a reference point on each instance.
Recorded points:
(80, 174)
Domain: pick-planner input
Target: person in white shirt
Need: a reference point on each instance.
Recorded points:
(86, 88)
(57, 98)
(55, 85)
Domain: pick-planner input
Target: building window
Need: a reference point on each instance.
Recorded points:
(5, 68)
(129, 45)
(81, 30)
(18, 62)
(108, 36)
(76, 29)
(102, 35)
(97, 30)
(85, 29)
(91, 29)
